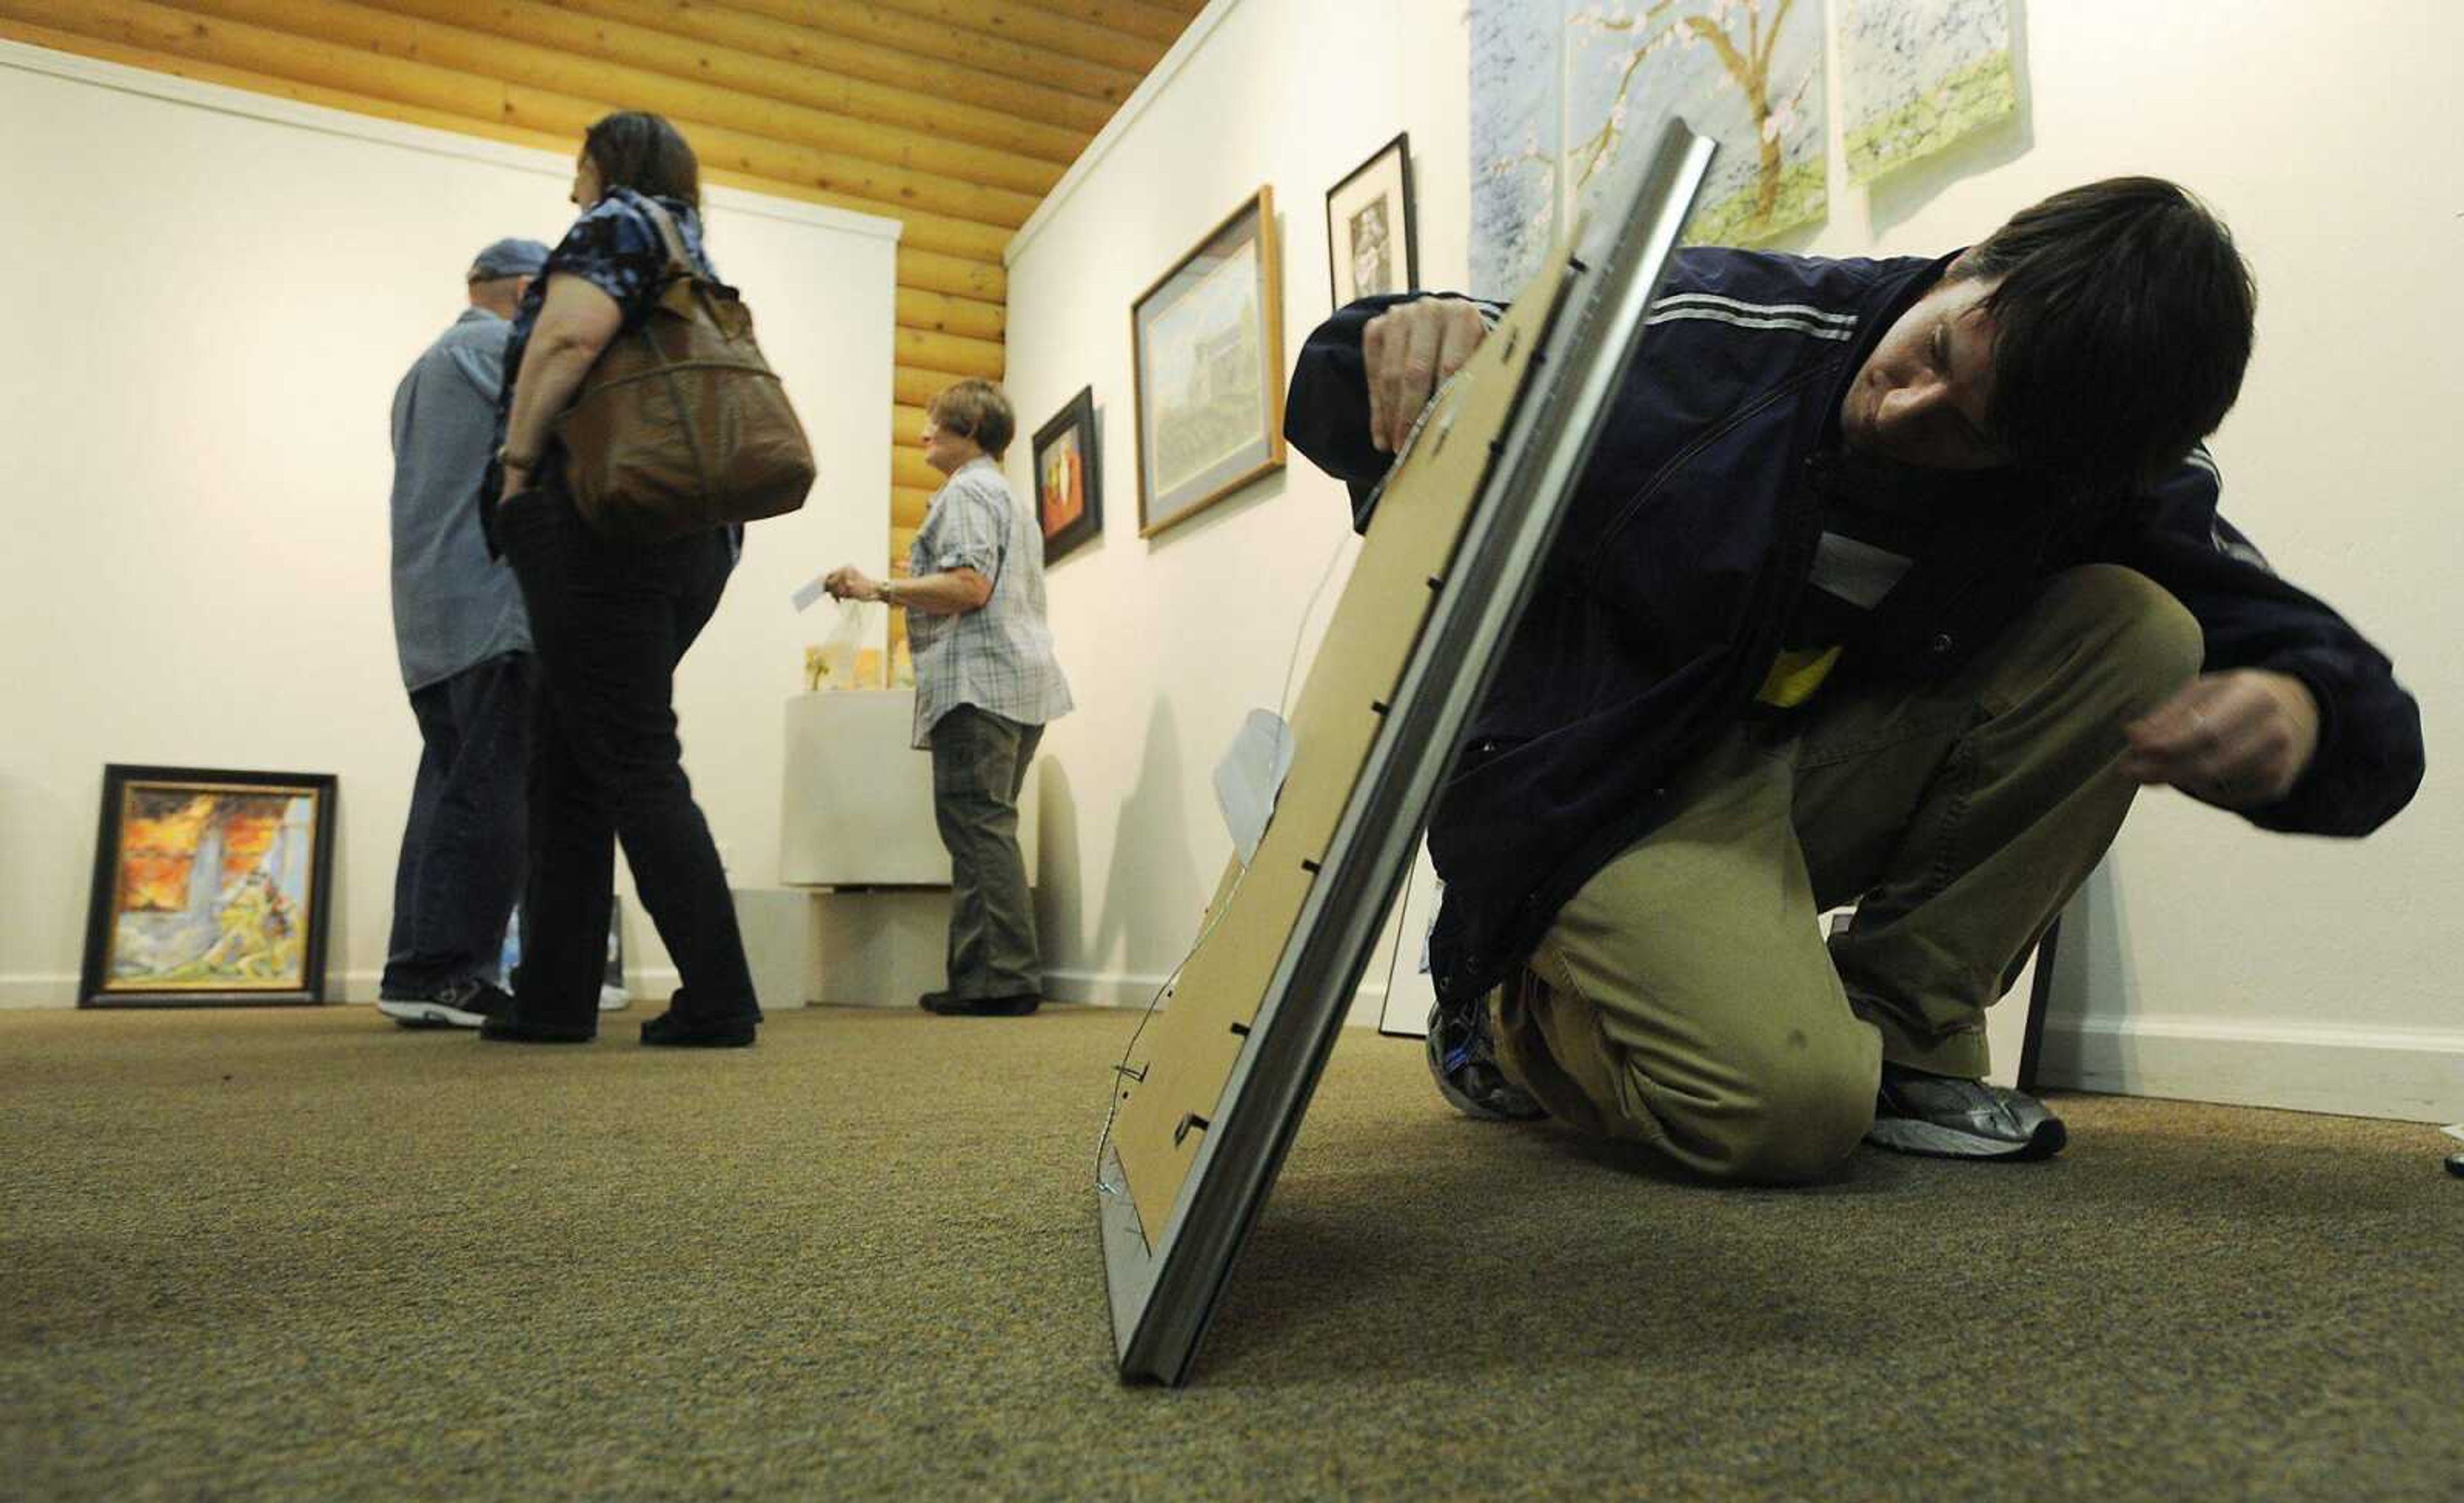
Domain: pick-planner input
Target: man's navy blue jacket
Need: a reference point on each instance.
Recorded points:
(1686, 542)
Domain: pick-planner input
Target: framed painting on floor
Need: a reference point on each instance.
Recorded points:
(210, 888)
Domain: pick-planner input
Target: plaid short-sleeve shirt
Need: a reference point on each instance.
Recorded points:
(999, 657)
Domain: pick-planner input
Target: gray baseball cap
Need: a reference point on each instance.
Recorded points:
(509, 257)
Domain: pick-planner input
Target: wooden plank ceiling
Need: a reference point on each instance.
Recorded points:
(955, 116)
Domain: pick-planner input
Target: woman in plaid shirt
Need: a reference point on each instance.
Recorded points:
(986, 683)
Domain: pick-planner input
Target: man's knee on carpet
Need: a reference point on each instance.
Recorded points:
(1782, 1111)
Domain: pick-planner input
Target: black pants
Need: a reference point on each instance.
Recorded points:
(979, 764)
(461, 862)
(610, 622)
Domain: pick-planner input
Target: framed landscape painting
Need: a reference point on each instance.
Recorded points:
(1372, 245)
(1207, 340)
(1068, 478)
(210, 886)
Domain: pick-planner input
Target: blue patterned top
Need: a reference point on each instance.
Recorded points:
(615, 246)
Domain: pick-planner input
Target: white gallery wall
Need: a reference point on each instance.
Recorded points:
(2221, 962)
(216, 295)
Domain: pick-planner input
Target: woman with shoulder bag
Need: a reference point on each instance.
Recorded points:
(611, 617)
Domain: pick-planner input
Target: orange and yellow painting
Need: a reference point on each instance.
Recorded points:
(212, 888)
(1062, 488)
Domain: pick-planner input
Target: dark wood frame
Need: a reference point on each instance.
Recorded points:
(1259, 209)
(1078, 413)
(1401, 147)
(93, 988)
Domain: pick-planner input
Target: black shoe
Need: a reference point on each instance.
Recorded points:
(462, 1005)
(1946, 1117)
(675, 1029)
(949, 1007)
(510, 1030)
(1462, 1060)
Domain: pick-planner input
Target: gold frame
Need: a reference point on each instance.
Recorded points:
(1259, 207)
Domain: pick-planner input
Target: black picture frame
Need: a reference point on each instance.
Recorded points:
(1069, 439)
(247, 935)
(1383, 185)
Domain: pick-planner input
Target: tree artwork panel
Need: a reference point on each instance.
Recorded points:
(1560, 89)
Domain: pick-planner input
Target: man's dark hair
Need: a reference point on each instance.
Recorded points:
(2125, 323)
(641, 152)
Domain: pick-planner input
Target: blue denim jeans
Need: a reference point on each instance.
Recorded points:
(461, 862)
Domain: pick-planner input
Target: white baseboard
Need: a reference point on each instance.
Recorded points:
(2407, 1075)
(24, 991)
(1135, 991)
(38, 991)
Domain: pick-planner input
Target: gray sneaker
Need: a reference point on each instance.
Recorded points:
(1462, 1060)
(1945, 1117)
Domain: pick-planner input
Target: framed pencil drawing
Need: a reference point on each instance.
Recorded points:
(1069, 478)
(1207, 341)
(1371, 243)
(210, 888)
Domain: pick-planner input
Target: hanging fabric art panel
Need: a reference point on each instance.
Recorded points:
(1560, 89)
(1917, 76)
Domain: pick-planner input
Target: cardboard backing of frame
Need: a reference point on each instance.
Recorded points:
(1172, 1095)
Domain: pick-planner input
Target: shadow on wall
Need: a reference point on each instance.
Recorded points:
(2086, 1044)
(1145, 912)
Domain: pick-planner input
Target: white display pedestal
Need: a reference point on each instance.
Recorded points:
(856, 806)
(863, 916)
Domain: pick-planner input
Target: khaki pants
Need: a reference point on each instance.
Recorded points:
(1685, 999)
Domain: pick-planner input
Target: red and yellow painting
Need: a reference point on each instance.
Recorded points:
(1061, 486)
(212, 888)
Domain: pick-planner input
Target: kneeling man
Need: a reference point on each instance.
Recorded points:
(1890, 582)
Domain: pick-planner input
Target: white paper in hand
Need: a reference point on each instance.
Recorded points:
(1249, 777)
(809, 591)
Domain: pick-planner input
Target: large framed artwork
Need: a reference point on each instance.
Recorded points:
(1210, 1093)
(1069, 478)
(210, 888)
(1372, 244)
(1207, 340)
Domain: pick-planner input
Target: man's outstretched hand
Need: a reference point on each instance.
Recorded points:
(1406, 352)
(2234, 740)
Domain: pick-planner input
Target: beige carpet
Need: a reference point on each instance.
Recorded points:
(299, 1253)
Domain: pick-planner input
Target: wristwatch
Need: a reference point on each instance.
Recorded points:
(507, 459)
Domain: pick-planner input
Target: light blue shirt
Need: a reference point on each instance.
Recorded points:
(453, 606)
(999, 657)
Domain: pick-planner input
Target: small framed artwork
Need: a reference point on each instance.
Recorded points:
(1371, 243)
(1069, 478)
(210, 888)
(1207, 340)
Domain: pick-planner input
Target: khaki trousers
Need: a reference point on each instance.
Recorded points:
(1684, 998)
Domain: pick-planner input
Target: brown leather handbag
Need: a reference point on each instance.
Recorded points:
(681, 426)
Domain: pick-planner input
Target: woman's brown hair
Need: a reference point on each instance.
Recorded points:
(641, 152)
